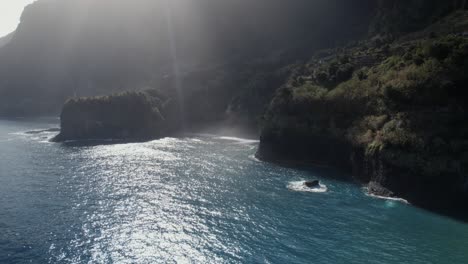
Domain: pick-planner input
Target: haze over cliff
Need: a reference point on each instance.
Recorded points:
(232, 55)
(89, 47)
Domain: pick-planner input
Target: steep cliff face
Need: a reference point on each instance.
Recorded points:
(393, 112)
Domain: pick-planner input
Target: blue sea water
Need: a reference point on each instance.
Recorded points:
(196, 199)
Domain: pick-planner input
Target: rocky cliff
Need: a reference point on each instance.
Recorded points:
(391, 111)
(127, 116)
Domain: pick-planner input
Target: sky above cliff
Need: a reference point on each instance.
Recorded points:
(10, 13)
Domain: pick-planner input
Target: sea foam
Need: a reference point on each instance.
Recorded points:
(393, 199)
(240, 140)
(299, 186)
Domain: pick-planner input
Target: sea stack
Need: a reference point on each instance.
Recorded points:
(139, 115)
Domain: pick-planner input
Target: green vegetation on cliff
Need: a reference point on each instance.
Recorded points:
(391, 111)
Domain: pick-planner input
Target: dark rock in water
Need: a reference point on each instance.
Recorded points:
(127, 116)
(312, 184)
(376, 189)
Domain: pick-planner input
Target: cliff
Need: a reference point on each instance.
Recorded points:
(65, 48)
(391, 111)
(128, 116)
(390, 108)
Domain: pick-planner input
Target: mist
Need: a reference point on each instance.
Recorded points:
(87, 47)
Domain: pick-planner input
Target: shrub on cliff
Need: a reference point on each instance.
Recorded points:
(401, 122)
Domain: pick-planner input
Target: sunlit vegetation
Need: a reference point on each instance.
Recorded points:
(401, 102)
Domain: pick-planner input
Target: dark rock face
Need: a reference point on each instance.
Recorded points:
(129, 116)
(377, 189)
(312, 184)
(294, 147)
(427, 180)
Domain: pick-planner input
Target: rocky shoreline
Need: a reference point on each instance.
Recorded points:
(384, 180)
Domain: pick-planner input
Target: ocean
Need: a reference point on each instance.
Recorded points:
(198, 198)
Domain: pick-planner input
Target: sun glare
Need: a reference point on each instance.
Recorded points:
(10, 14)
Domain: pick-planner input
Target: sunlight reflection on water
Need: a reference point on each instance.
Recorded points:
(144, 212)
(203, 199)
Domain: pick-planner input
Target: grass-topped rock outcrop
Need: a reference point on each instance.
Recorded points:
(129, 116)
